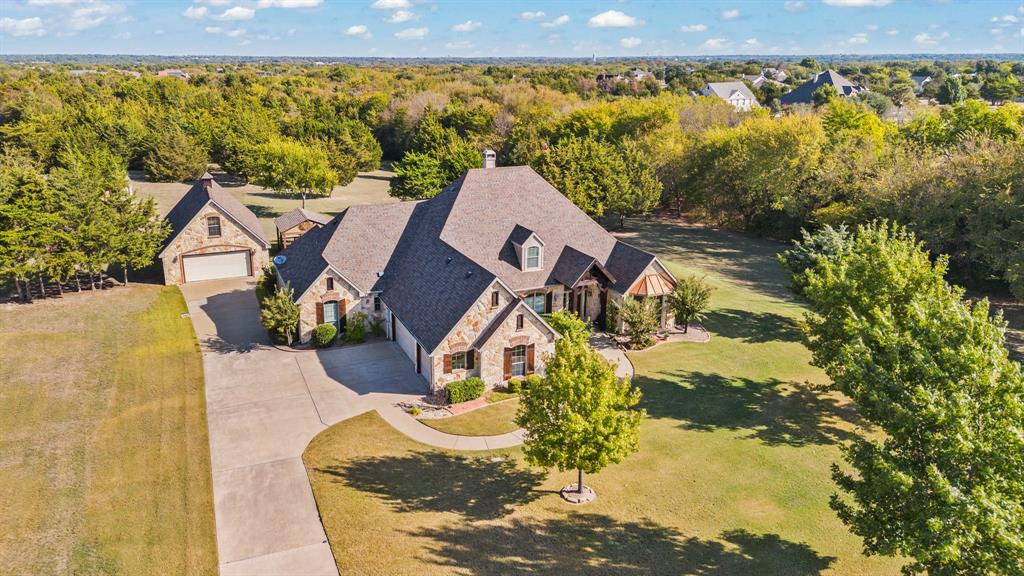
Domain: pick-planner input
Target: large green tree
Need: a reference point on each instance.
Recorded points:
(293, 167)
(944, 483)
(437, 156)
(173, 155)
(581, 415)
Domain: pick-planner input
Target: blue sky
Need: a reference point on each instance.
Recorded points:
(505, 28)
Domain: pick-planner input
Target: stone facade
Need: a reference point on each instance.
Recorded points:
(319, 293)
(489, 362)
(286, 237)
(194, 239)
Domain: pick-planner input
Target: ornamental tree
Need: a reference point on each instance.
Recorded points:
(689, 300)
(640, 317)
(294, 167)
(280, 314)
(581, 415)
(944, 483)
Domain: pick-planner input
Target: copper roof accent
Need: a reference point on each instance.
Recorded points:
(653, 285)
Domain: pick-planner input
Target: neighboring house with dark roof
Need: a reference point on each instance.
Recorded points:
(804, 94)
(461, 280)
(213, 235)
(296, 223)
(735, 93)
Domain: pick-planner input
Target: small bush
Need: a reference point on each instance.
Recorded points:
(465, 390)
(531, 381)
(515, 385)
(414, 411)
(355, 328)
(323, 335)
(377, 325)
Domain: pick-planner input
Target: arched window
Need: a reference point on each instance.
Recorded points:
(519, 361)
(533, 257)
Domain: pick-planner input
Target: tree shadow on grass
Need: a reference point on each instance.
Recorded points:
(752, 327)
(598, 544)
(774, 412)
(262, 211)
(477, 488)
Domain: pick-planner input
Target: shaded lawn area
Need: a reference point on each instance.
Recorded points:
(104, 457)
(486, 421)
(732, 476)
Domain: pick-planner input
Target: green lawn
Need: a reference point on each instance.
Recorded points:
(104, 457)
(491, 419)
(732, 476)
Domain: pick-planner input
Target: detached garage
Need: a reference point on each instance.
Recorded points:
(213, 236)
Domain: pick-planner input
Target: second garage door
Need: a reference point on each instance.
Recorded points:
(213, 266)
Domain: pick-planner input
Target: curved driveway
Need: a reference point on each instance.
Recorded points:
(264, 405)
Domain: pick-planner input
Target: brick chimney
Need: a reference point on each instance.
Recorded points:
(490, 158)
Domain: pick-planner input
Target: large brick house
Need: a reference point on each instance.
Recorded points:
(462, 280)
(213, 235)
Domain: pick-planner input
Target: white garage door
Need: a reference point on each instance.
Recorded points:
(220, 265)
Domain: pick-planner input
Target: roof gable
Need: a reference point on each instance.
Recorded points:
(202, 192)
(292, 219)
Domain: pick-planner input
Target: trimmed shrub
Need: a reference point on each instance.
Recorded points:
(414, 411)
(355, 328)
(531, 381)
(515, 385)
(377, 326)
(323, 335)
(465, 390)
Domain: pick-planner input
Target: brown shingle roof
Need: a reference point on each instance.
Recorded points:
(292, 219)
(204, 190)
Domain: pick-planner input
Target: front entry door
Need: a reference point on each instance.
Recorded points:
(602, 315)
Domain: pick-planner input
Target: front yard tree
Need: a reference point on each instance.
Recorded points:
(280, 313)
(689, 300)
(944, 483)
(141, 232)
(581, 415)
(292, 167)
(640, 316)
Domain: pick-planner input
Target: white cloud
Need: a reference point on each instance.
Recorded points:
(235, 33)
(391, 4)
(859, 38)
(751, 43)
(123, 36)
(715, 44)
(630, 42)
(857, 3)
(560, 21)
(730, 14)
(926, 39)
(871, 27)
(613, 19)
(236, 13)
(214, 2)
(1021, 33)
(459, 45)
(400, 16)
(412, 34)
(794, 5)
(214, 29)
(92, 15)
(1004, 20)
(359, 30)
(892, 32)
(693, 28)
(531, 15)
(24, 27)
(996, 31)
(467, 26)
(290, 32)
(194, 12)
(289, 3)
(50, 3)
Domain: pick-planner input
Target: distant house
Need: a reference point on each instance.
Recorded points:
(173, 73)
(296, 223)
(759, 80)
(213, 235)
(920, 82)
(805, 92)
(735, 93)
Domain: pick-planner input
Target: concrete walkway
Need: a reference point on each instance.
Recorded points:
(604, 344)
(264, 406)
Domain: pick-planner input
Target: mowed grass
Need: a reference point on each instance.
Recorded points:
(104, 457)
(732, 477)
(495, 418)
(367, 188)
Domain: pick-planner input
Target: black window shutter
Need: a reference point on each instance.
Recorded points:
(548, 302)
(470, 359)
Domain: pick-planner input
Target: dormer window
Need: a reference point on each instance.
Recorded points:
(533, 257)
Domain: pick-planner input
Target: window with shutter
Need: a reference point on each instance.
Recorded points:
(470, 359)
(319, 313)
(507, 371)
(548, 302)
(447, 363)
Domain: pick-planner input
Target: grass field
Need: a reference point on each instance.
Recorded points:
(495, 418)
(367, 188)
(732, 477)
(104, 458)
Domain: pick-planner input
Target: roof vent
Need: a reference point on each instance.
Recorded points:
(448, 260)
(490, 158)
(468, 274)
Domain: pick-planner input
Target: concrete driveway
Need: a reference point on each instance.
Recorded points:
(264, 405)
